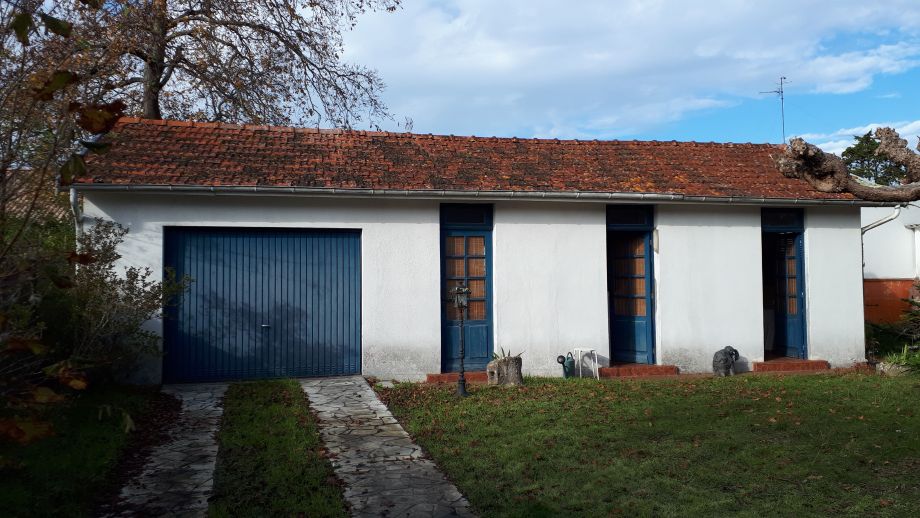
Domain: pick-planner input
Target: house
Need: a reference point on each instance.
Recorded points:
(320, 252)
(891, 245)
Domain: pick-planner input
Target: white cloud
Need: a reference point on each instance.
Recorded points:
(841, 139)
(597, 68)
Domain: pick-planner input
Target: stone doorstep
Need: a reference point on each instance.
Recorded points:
(638, 370)
(477, 377)
(791, 365)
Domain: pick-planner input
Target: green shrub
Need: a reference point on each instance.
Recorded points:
(70, 316)
(99, 315)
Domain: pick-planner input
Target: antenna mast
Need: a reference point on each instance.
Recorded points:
(782, 103)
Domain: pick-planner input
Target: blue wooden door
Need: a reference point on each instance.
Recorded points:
(789, 308)
(467, 257)
(263, 303)
(629, 279)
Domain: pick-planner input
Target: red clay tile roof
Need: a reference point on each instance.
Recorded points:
(211, 154)
(27, 193)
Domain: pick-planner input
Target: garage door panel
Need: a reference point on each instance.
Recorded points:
(263, 303)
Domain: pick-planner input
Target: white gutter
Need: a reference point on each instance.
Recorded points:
(891, 217)
(470, 195)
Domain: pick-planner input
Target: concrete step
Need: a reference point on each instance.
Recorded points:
(638, 370)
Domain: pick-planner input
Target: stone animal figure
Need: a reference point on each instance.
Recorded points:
(723, 362)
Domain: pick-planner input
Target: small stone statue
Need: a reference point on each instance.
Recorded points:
(723, 362)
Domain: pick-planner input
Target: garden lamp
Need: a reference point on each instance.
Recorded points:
(460, 297)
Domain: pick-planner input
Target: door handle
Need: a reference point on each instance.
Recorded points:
(265, 326)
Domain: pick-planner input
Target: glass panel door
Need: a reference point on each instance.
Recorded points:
(467, 260)
(630, 296)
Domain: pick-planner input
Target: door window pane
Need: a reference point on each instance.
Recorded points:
(455, 246)
(477, 267)
(477, 288)
(637, 247)
(629, 307)
(450, 287)
(630, 286)
(639, 307)
(477, 310)
(792, 306)
(630, 267)
(455, 268)
(476, 245)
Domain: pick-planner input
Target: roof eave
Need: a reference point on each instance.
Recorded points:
(587, 196)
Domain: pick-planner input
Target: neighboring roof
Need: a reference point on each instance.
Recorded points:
(172, 153)
(23, 188)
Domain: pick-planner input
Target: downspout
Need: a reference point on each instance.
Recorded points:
(77, 213)
(891, 217)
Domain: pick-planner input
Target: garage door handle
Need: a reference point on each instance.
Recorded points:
(265, 326)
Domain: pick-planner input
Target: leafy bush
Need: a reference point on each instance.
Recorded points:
(100, 314)
(70, 316)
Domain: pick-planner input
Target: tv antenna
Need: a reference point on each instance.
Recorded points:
(782, 103)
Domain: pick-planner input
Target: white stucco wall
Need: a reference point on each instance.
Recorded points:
(833, 286)
(709, 286)
(550, 281)
(400, 273)
(890, 250)
(549, 278)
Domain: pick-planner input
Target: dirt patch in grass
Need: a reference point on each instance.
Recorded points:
(751, 445)
(271, 461)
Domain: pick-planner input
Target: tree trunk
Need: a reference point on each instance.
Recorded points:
(827, 172)
(155, 62)
(505, 371)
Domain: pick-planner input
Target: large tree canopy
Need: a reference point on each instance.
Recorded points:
(258, 61)
(828, 172)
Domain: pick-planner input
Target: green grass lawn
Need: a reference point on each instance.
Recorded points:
(62, 475)
(270, 461)
(750, 445)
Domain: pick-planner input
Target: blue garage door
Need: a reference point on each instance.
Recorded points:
(263, 303)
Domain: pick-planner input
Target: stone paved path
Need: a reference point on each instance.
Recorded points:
(177, 479)
(385, 473)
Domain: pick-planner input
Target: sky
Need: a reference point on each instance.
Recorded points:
(647, 70)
